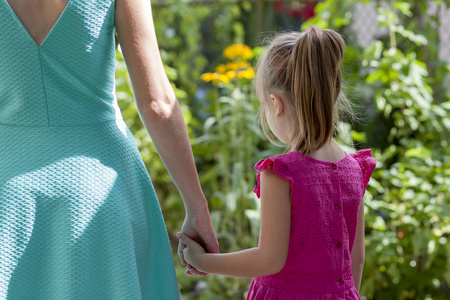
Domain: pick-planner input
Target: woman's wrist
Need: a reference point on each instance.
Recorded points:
(197, 206)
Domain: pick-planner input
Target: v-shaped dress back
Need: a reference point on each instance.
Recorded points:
(79, 217)
(27, 31)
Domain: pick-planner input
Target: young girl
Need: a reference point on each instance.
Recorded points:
(311, 243)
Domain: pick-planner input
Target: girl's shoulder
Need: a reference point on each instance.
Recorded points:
(280, 163)
(366, 162)
(293, 164)
(364, 156)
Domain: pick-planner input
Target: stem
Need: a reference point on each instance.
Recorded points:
(392, 38)
(223, 161)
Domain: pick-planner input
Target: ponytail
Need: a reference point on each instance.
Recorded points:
(305, 69)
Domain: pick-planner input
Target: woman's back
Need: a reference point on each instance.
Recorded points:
(79, 217)
(325, 201)
(69, 78)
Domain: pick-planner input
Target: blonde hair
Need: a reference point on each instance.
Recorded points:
(304, 69)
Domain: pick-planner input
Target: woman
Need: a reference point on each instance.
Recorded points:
(79, 218)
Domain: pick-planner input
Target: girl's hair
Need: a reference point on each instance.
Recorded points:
(304, 69)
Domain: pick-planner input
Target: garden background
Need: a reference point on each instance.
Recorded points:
(396, 71)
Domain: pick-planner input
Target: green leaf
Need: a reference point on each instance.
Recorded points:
(419, 152)
(359, 137)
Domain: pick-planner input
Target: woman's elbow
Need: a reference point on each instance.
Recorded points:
(159, 107)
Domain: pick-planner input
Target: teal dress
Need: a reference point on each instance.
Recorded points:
(79, 218)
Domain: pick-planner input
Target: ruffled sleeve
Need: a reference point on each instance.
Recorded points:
(278, 166)
(367, 164)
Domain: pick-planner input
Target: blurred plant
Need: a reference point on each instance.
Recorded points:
(229, 147)
(407, 204)
(190, 37)
(398, 82)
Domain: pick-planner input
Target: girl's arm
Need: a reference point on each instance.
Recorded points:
(161, 114)
(270, 256)
(358, 251)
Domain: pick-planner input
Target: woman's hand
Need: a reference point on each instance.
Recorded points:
(192, 252)
(198, 227)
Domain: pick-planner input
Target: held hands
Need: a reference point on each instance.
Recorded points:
(193, 252)
(198, 226)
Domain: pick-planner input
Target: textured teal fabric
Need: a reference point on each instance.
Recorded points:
(79, 218)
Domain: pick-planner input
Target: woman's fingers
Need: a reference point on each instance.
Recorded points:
(212, 245)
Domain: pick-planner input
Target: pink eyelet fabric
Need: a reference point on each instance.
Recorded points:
(325, 200)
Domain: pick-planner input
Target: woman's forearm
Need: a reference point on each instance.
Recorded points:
(164, 121)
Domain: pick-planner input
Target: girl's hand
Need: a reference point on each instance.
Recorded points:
(192, 252)
(198, 227)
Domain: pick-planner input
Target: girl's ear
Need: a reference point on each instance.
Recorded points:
(278, 104)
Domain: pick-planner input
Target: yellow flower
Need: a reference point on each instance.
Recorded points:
(248, 74)
(215, 78)
(207, 77)
(231, 67)
(222, 69)
(237, 65)
(231, 74)
(223, 78)
(238, 51)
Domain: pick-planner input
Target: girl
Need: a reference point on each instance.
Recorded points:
(311, 243)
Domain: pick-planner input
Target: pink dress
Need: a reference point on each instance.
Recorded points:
(325, 201)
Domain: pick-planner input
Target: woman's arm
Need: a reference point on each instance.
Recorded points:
(161, 114)
(271, 254)
(358, 251)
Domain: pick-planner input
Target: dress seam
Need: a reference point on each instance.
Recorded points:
(43, 86)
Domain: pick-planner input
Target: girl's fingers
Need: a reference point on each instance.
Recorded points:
(185, 243)
(181, 247)
(184, 238)
(194, 271)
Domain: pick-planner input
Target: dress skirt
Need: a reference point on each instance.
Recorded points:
(79, 217)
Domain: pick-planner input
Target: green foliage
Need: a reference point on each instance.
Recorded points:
(402, 93)
(407, 215)
(227, 149)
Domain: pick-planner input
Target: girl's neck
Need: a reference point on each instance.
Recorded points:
(331, 151)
